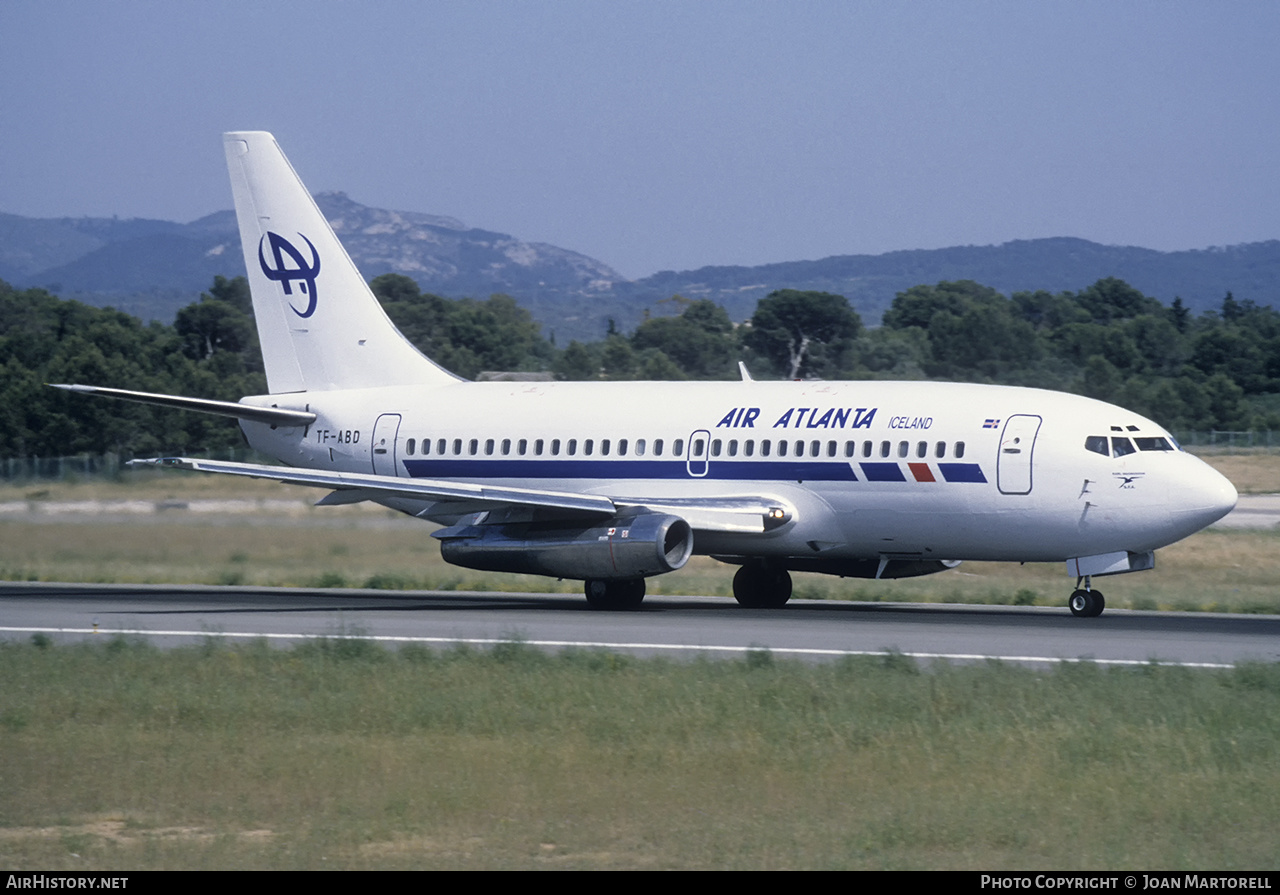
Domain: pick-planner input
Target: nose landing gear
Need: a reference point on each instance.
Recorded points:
(1086, 602)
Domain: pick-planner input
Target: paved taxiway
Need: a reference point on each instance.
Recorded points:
(672, 626)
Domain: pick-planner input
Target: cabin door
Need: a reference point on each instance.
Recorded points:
(1017, 448)
(384, 444)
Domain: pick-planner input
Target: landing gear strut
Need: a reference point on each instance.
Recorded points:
(610, 594)
(762, 587)
(1086, 602)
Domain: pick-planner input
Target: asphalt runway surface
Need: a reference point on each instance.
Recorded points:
(676, 627)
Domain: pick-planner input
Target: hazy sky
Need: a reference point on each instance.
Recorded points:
(669, 135)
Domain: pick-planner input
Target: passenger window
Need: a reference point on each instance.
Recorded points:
(697, 448)
(572, 447)
(408, 447)
(733, 447)
(799, 451)
(831, 448)
(959, 450)
(488, 447)
(555, 447)
(850, 448)
(657, 447)
(884, 449)
(457, 446)
(588, 446)
(922, 449)
(782, 448)
(1121, 447)
(622, 447)
(522, 447)
(903, 448)
(764, 448)
(506, 446)
(677, 448)
(1097, 444)
(715, 447)
(604, 447)
(940, 450)
(639, 447)
(866, 449)
(748, 448)
(537, 447)
(473, 447)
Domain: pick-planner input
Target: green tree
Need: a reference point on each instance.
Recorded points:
(803, 334)
(700, 340)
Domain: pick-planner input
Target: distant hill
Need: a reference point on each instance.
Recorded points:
(152, 268)
(870, 282)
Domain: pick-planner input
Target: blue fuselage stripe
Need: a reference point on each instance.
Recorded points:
(962, 472)
(776, 470)
(883, 472)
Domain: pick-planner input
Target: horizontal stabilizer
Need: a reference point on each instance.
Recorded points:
(274, 416)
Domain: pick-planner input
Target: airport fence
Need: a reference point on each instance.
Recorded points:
(1258, 438)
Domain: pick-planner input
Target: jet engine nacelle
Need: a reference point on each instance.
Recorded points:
(619, 548)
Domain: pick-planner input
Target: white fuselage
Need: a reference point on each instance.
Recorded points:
(897, 470)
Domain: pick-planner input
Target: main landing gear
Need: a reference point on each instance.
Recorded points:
(1086, 602)
(762, 587)
(610, 594)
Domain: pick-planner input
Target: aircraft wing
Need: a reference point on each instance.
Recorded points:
(738, 513)
(371, 486)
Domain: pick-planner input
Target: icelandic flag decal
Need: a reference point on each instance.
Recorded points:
(991, 424)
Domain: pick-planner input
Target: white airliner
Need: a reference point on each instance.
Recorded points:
(610, 483)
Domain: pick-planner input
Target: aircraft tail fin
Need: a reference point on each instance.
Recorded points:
(318, 322)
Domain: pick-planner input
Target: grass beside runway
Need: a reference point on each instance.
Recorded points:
(1217, 570)
(343, 755)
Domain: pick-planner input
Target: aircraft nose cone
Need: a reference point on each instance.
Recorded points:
(1210, 496)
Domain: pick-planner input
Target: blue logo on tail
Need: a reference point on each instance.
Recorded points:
(306, 276)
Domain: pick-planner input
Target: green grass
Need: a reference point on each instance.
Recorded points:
(341, 754)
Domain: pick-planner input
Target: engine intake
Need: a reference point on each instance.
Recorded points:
(618, 548)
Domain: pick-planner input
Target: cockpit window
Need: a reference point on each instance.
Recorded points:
(1121, 446)
(1097, 444)
(1153, 444)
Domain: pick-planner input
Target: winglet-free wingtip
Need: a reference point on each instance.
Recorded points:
(742, 368)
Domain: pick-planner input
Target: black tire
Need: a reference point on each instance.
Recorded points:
(614, 595)
(1087, 603)
(1079, 603)
(760, 587)
(1099, 604)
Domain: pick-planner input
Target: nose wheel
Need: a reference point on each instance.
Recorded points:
(1086, 602)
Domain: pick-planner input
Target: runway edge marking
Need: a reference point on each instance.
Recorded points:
(602, 644)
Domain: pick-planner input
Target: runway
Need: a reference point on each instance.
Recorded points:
(677, 627)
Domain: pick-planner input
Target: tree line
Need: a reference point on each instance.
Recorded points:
(1217, 370)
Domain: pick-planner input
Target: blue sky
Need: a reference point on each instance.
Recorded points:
(669, 135)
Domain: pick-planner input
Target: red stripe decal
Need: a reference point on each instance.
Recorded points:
(922, 472)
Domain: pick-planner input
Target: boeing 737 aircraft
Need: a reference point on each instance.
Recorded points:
(610, 483)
